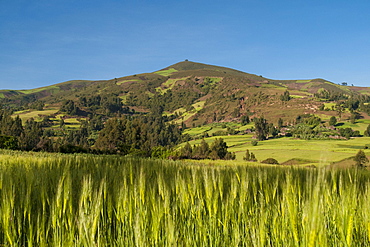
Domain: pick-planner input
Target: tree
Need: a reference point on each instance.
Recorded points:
(333, 121)
(247, 156)
(339, 108)
(230, 156)
(367, 131)
(285, 96)
(111, 138)
(218, 149)
(69, 107)
(16, 128)
(261, 127)
(354, 117)
(272, 130)
(29, 139)
(280, 123)
(201, 151)
(244, 120)
(186, 151)
(8, 142)
(37, 105)
(361, 159)
(253, 157)
(61, 123)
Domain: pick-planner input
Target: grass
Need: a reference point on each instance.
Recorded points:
(322, 152)
(167, 72)
(214, 127)
(27, 114)
(36, 90)
(329, 105)
(297, 96)
(185, 115)
(214, 80)
(360, 125)
(86, 200)
(273, 86)
(169, 84)
(198, 130)
(129, 80)
(199, 105)
(124, 98)
(303, 81)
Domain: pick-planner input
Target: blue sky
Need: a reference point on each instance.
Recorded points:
(43, 42)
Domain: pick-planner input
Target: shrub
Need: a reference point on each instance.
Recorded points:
(270, 161)
(254, 143)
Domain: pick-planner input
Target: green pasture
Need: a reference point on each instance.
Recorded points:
(27, 114)
(214, 80)
(36, 90)
(185, 115)
(72, 123)
(169, 84)
(124, 98)
(198, 130)
(321, 152)
(266, 85)
(360, 125)
(329, 105)
(166, 72)
(297, 96)
(214, 127)
(199, 105)
(129, 80)
(303, 81)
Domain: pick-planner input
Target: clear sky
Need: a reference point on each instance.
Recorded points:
(43, 42)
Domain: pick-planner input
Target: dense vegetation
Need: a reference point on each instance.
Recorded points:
(155, 114)
(125, 134)
(85, 200)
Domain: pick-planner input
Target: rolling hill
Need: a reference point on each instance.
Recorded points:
(186, 102)
(189, 92)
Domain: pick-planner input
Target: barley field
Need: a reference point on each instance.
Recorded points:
(86, 200)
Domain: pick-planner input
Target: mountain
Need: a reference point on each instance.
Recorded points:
(189, 92)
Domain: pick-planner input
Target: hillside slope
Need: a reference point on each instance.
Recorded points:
(189, 92)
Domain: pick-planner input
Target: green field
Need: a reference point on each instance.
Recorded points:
(359, 125)
(319, 152)
(36, 90)
(87, 200)
(166, 72)
(303, 81)
(27, 114)
(169, 84)
(129, 80)
(214, 127)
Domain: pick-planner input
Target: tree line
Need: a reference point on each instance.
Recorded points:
(119, 135)
(217, 150)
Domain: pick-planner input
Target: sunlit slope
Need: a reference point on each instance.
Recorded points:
(198, 93)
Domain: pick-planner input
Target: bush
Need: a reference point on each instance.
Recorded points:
(254, 143)
(270, 161)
